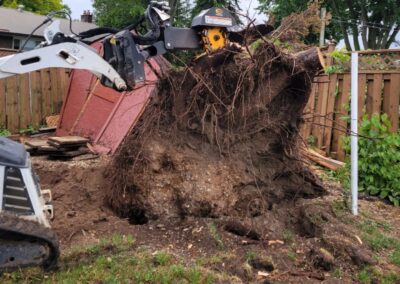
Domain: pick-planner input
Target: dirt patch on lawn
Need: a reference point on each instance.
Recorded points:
(301, 239)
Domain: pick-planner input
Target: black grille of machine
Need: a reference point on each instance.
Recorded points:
(15, 197)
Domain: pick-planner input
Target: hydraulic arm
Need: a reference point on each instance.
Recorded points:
(122, 64)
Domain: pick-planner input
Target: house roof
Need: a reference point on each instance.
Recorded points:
(23, 23)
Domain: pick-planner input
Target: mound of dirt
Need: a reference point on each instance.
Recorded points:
(220, 138)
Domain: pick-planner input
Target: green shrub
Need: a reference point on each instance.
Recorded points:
(379, 158)
(4, 132)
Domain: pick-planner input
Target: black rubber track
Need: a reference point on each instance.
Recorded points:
(11, 225)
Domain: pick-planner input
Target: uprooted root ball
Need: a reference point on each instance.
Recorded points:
(220, 138)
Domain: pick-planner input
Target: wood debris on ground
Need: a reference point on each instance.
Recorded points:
(64, 148)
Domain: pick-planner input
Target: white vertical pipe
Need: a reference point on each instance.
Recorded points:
(354, 133)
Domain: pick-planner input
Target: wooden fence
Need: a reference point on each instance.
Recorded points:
(26, 100)
(328, 108)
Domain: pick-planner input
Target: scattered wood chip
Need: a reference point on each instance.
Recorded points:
(275, 242)
(262, 274)
(359, 239)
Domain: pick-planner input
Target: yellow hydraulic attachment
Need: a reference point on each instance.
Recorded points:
(214, 39)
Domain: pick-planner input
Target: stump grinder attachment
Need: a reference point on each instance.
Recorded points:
(25, 235)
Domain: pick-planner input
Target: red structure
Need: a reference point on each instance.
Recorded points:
(103, 114)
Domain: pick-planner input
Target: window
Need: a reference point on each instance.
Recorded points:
(6, 42)
(17, 43)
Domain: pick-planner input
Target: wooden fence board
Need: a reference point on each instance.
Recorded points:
(362, 85)
(309, 111)
(3, 122)
(393, 109)
(24, 101)
(330, 108)
(324, 100)
(369, 97)
(336, 132)
(377, 93)
(12, 104)
(46, 92)
(56, 93)
(37, 98)
(343, 112)
(318, 104)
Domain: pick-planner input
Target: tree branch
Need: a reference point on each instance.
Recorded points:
(393, 36)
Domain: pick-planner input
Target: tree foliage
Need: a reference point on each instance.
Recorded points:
(117, 13)
(377, 22)
(36, 6)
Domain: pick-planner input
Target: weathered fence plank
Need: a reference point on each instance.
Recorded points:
(329, 106)
(393, 109)
(24, 101)
(3, 115)
(330, 112)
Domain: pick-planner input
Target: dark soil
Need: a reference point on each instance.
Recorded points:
(298, 241)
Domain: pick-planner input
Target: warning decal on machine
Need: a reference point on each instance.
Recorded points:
(223, 21)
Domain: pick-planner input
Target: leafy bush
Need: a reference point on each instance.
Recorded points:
(379, 158)
(4, 132)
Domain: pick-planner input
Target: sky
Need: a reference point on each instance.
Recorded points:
(78, 6)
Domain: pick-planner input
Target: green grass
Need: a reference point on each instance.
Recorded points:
(288, 236)
(375, 234)
(337, 273)
(395, 257)
(292, 254)
(115, 260)
(250, 255)
(213, 230)
(364, 276)
(368, 274)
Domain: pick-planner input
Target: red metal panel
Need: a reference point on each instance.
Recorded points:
(103, 114)
(95, 112)
(127, 112)
(79, 89)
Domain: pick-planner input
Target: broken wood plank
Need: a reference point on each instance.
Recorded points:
(69, 154)
(68, 140)
(65, 147)
(322, 160)
(36, 143)
(47, 129)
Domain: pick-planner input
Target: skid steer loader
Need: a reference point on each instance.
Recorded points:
(25, 234)
(25, 212)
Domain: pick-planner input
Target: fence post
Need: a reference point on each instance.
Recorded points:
(354, 133)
